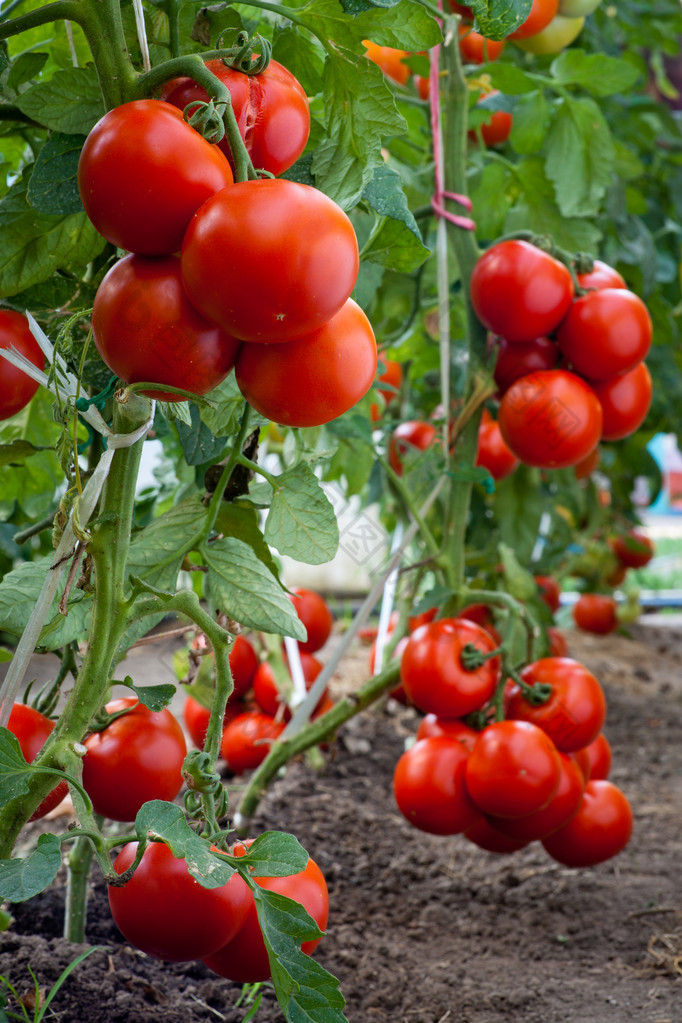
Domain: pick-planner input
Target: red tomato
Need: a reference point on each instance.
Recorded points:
(633, 549)
(551, 419)
(143, 172)
(541, 13)
(431, 725)
(605, 333)
(332, 368)
(598, 754)
(16, 387)
(601, 276)
(137, 757)
(595, 612)
(550, 591)
(520, 291)
(586, 466)
(599, 830)
(561, 807)
(164, 912)
(625, 401)
(245, 959)
(390, 60)
(270, 260)
(393, 376)
(407, 439)
(486, 837)
(493, 454)
(518, 359)
(616, 576)
(247, 739)
(271, 108)
(433, 674)
(265, 689)
(574, 713)
(397, 653)
(497, 128)
(558, 647)
(243, 663)
(414, 621)
(196, 717)
(475, 48)
(513, 769)
(32, 729)
(313, 610)
(146, 329)
(429, 786)
(462, 9)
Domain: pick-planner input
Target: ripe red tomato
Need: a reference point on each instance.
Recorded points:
(595, 612)
(247, 739)
(605, 333)
(146, 329)
(599, 830)
(270, 260)
(520, 291)
(32, 729)
(558, 647)
(243, 663)
(398, 693)
(598, 754)
(245, 959)
(196, 717)
(433, 674)
(407, 439)
(574, 713)
(265, 689)
(475, 48)
(633, 549)
(431, 725)
(541, 13)
(601, 276)
(625, 401)
(271, 108)
(313, 610)
(497, 128)
(392, 375)
(390, 60)
(551, 419)
(332, 369)
(16, 387)
(462, 9)
(142, 174)
(137, 757)
(561, 807)
(486, 837)
(164, 912)
(518, 359)
(550, 591)
(493, 454)
(513, 769)
(429, 786)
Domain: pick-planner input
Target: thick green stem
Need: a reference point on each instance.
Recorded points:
(78, 864)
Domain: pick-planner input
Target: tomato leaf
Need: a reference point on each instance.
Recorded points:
(156, 552)
(175, 411)
(595, 72)
(537, 210)
(14, 770)
(198, 443)
(510, 79)
(239, 584)
(275, 854)
(16, 452)
(166, 821)
(301, 521)
(19, 591)
(53, 187)
(70, 102)
(153, 697)
(223, 415)
(24, 68)
(240, 519)
(21, 879)
(580, 157)
(301, 56)
(396, 241)
(496, 19)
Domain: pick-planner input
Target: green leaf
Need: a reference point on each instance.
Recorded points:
(301, 521)
(5, 655)
(175, 411)
(537, 210)
(580, 157)
(519, 581)
(519, 505)
(488, 194)
(157, 551)
(21, 879)
(239, 584)
(154, 697)
(496, 19)
(166, 821)
(275, 854)
(14, 770)
(33, 483)
(299, 54)
(70, 102)
(510, 79)
(198, 443)
(223, 415)
(240, 520)
(19, 591)
(53, 187)
(595, 72)
(532, 118)
(24, 68)
(396, 241)
(18, 451)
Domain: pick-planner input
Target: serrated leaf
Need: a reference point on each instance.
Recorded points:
(223, 415)
(166, 821)
(580, 157)
(537, 210)
(14, 770)
(70, 102)
(496, 19)
(198, 443)
(239, 584)
(19, 591)
(155, 697)
(25, 67)
(301, 522)
(532, 118)
(33, 484)
(175, 411)
(21, 879)
(594, 72)
(299, 54)
(393, 245)
(53, 187)
(19, 450)
(240, 519)
(156, 552)
(275, 854)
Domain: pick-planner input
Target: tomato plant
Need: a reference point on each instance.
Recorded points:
(554, 37)
(476, 49)
(541, 14)
(563, 805)
(633, 549)
(600, 276)
(390, 60)
(16, 387)
(550, 591)
(266, 691)
(246, 740)
(598, 754)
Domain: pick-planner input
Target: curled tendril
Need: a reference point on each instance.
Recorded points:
(241, 57)
(198, 774)
(206, 118)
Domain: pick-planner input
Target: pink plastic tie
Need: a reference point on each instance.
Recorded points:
(440, 195)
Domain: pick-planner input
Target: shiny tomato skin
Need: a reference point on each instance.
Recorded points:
(633, 549)
(430, 789)
(596, 612)
(520, 291)
(598, 831)
(391, 374)
(475, 48)
(605, 333)
(142, 174)
(333, 368)
(245, 959)
(136, 758)
(270, 260)
(397, 653)
(313, 611)
(561, 807)
(16, 387)
(497, 128)
(518, 359)
(550, 591)
(146, 329)
(432, 672)
(243, 664)
(554, 37)
(493, 454)
(550, 419)
(247, 739)
(389, 59)
(625, 401)
(541, 13)
(574, 713)
(164, 912)
(32, 729)
(513, 769)
(271, 108)
(486, 837)
(601, 276)
(196, 717)
(558, 646)
(265, 688)
(408, 438)
(598, 754)
(431, 725)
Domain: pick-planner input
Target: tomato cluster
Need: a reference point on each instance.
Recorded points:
(570, 366)
(252, 275)
(598, 612)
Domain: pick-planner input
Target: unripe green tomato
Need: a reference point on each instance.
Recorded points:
(577, 8)
(559, 33)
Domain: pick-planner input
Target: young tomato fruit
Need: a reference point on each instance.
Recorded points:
(146, 329)
(595, 612)
(555, 37)
(605, 333)
(513, 769)
(142, 174)
(16, 387)
(498, 124)
(598, 831)
(598, 755)
(625, 401)
(313, 611)
(136, 758)
(270, 260)
(164, 912)
(429, 786)
(32, 729)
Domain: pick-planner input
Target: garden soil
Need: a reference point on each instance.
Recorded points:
(425, 929)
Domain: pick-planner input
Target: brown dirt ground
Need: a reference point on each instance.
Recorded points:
(426, 929)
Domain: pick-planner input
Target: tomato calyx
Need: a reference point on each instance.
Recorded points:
(241, 57)
(207, 119)
(472, 658)
(536, 694)
(104, 718)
